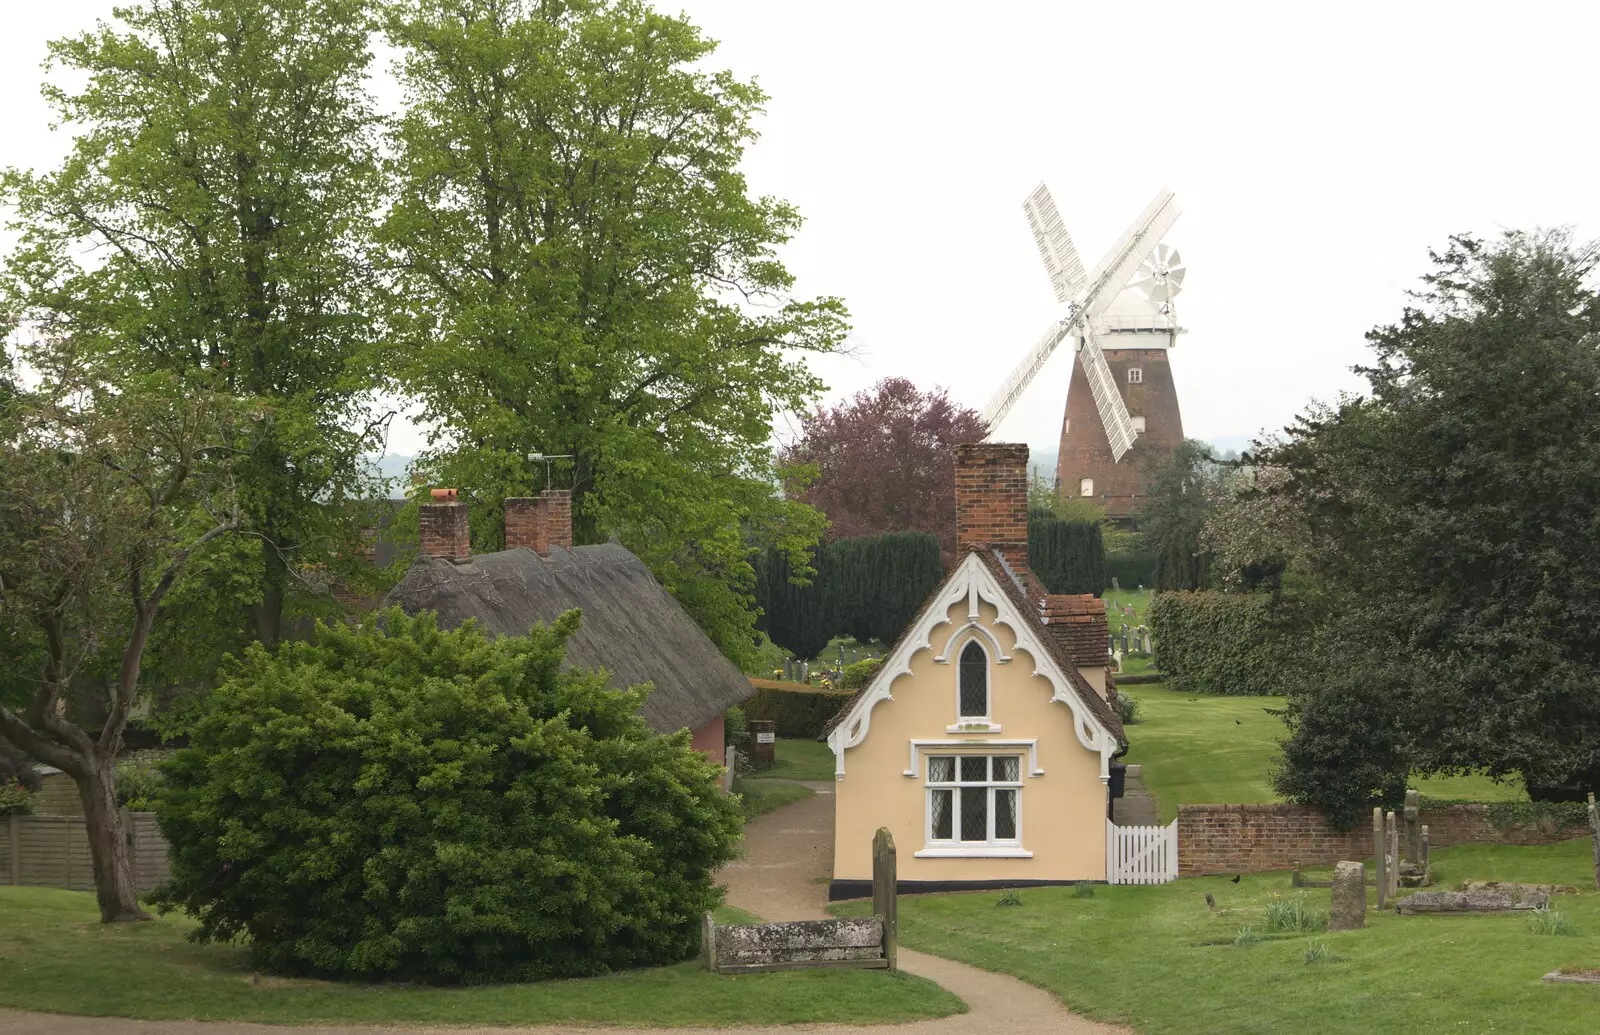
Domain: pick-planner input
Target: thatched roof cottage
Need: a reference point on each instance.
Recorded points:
(632, 627)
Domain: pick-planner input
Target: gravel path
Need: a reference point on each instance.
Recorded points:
(785, 852)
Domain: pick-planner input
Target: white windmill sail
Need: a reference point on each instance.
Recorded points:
(1124, 258)
(1101, 287)
(1011, 390)
(1113, 411)
(1055, 244)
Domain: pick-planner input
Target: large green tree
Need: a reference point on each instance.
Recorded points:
(112, 487)
(212, 220)
(1444, 526)
(581, 270)
(1183, 490)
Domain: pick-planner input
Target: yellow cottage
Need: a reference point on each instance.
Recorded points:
(986, 741)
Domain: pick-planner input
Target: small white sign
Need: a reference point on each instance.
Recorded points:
(765, 738)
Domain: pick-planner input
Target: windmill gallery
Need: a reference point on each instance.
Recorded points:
(1122, 403)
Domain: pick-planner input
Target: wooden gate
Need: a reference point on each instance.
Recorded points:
(1141, 855)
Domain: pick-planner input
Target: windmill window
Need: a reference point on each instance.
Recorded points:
(1136, 375)
(973, 677)
(1086, 487)
(974, 801)
(1138, 424)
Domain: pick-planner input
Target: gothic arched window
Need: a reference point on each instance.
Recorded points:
(974, 676)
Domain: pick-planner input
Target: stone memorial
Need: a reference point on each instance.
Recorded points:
(1348, 911)
(1471, 902)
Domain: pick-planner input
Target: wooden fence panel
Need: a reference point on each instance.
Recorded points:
(53, 852)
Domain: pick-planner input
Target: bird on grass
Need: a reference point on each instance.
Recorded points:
(1238, 722)
(1236, 878)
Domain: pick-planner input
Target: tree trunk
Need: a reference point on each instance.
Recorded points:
(269, 613)
(108, 844)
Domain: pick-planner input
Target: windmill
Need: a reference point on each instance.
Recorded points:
(1120, 318)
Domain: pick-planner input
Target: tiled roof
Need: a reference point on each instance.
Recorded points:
(1078, 622)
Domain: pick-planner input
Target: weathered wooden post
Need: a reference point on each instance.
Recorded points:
(1413, 813)
(1380, 848)
(708, 942)
(1594, 827)
(885, 902)
(732, 759)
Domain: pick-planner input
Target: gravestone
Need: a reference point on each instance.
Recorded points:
(1594, 827)
(1472, 902)
(1380, 849)
(1392, 841)
(1348, 910)
(1413, 828)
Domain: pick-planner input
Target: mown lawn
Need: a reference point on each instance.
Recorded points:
(1158, 959)
(1210, 750)
(56, 957)
(762, 796)
(797, 759)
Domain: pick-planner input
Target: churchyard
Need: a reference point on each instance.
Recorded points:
(1220, 750)
(1161, 960)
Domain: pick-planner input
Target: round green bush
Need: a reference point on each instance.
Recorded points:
(859, 674)
(395, 801)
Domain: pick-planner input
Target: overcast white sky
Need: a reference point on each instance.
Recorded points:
(1318, 151)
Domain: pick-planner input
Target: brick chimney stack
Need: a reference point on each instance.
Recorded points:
(539, 522)
(992, 500)
(444, 528)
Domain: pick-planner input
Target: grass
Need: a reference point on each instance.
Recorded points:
(56, 957)
(762, 796)
(1157, 959)
(797, 759)
(1220, 749)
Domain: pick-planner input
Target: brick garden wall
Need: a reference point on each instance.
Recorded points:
(1254, 838)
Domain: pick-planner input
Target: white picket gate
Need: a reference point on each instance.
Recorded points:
(1141, 855)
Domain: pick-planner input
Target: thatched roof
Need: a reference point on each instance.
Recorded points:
(631, 627)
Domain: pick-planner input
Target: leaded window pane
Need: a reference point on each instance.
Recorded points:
(942, 770)
(974, 768)
(974, 813)
(940, 802)
(1007, 769)
(1005, 815)
(974, 676)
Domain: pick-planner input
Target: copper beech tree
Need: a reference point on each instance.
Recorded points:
(109, 493)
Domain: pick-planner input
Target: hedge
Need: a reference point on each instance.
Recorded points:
(1222, 643)
(797, 713)
(1068, 556)
(1131, 570)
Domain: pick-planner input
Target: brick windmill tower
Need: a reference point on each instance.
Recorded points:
(1122, 404)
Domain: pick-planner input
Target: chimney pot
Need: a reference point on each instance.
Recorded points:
(443, 495)
(445, 530)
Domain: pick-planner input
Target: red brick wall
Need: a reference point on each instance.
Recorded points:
(1255, 838)
(525, 524)
(538, 522)
(558, 516)
(445, 531)
(1085, 449)
(992, 498)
